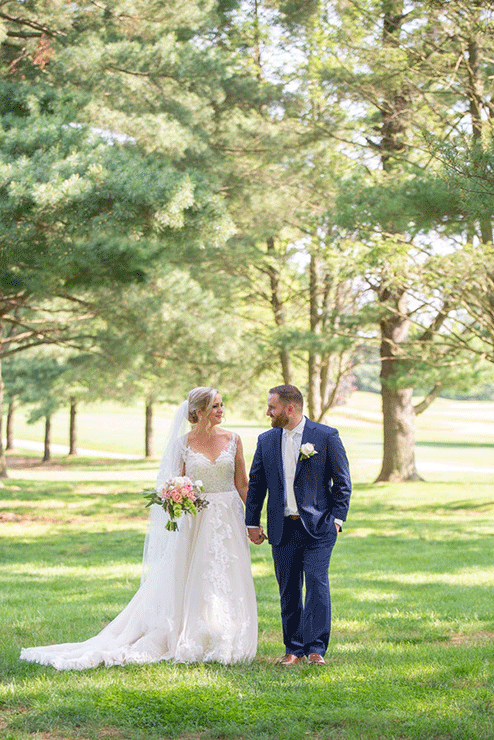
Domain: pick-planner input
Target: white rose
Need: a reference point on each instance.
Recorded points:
(307, 450)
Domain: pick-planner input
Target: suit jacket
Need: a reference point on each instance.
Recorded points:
(321, 485)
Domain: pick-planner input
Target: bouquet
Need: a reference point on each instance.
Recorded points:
(178, 496)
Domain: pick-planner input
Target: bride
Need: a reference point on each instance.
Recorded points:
(196, 602)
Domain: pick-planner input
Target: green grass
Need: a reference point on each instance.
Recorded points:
(115, 428)
(412, 579)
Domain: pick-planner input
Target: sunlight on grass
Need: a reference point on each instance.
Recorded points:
(19, 503)
(129, 569)
(466, 577)
(412, 650)
(262, 569)
(368, 595)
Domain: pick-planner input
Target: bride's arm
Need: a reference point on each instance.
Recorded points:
(241, 481)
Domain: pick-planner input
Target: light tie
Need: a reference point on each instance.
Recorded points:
(290, 465)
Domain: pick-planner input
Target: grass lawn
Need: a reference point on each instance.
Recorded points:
(412, 579)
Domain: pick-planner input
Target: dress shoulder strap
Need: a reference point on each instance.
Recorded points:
(233, 440)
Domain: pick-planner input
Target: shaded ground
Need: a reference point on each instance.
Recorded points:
(98, 467)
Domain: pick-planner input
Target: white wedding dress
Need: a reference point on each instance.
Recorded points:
(197, 602)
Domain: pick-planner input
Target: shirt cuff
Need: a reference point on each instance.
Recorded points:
(339, 521)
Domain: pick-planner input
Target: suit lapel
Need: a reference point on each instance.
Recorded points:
(307, 436)
(277, 452)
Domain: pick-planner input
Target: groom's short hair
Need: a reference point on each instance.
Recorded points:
(289, 394)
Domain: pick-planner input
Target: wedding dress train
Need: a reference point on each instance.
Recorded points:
(197, 602)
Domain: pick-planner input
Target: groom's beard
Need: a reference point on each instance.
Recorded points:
(280, 421)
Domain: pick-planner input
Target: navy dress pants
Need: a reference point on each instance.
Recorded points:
(297, 558)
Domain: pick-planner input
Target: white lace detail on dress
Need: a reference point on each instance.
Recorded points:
(197, 603)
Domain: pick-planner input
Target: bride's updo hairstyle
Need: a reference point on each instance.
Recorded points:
(200, 399)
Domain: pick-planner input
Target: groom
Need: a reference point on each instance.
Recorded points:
(303, 467)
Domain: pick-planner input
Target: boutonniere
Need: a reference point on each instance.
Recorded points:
(307, 450)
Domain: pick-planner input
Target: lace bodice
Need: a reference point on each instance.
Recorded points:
(216, 476)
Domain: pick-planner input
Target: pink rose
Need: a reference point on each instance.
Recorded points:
(176, 497)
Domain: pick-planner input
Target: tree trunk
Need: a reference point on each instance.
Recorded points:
(73, 426)
(3, 464)
(475, 94)
(313, 393)
(257, 42)
(149, 427)
(314, 360)
(10, 424)
(279, 313)
(326, 371)
(398, 464)
(46, 456)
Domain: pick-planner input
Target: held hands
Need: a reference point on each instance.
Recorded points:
(256, 535)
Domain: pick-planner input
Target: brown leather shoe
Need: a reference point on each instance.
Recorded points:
(291, 659)
(316, 659)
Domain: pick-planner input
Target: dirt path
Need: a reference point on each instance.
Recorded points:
(24, 444)
(20, 467)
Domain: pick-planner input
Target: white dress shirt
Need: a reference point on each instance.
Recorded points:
(292, 448)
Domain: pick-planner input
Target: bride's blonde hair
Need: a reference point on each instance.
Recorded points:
(200, 399)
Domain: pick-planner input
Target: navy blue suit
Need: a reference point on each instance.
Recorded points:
(302, 547)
